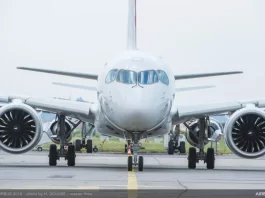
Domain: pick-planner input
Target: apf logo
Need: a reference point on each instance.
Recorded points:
(260, 193)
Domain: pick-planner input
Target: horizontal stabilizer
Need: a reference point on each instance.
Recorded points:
(75, 86)
(188, 76)
(193, 88)
(64, 73)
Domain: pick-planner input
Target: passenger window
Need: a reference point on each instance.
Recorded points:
(111, 76)
(163, 77)
(147, 77)
(127, 77)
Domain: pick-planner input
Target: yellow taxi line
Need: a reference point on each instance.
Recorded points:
(57, 187)
(132, 184)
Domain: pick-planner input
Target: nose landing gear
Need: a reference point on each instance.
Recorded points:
(135, 160)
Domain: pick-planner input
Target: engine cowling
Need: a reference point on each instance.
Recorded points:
(51, 130)
(20, 128)
(192, 137)
(244, 133)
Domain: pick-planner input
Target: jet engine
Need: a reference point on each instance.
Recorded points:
(51, 130)
(192, 135)
(20, 128)
(244, 133)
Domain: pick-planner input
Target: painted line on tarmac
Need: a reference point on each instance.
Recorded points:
(132, 184)
(57, 187)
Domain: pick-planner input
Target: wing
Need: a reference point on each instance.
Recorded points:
(75, 86)
(193, 88)
(183, 113)
(65, 107)
(95, 89)
(95, 77)
(188, 76)
(64, 73)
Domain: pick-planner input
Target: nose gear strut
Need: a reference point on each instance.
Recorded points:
(135, 145)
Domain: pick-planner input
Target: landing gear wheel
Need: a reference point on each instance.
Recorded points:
(71, 155)
(53, 155)
(78, 145)
(210, 158)
(125, 148)
(39, 149)
(89, 146)
(171, 148)
(182, 148)
(95, 149)
(192, 158)
(129, 163)
(140, 163)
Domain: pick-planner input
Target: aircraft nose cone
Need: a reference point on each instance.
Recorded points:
(141, 118)
(137, 113)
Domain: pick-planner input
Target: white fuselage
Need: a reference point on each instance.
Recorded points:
(137, 102)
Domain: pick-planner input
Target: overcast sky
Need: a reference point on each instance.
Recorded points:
(81, 35)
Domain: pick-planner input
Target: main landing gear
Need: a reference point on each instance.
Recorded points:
(134, 159)
(194, 156)
(173, 147)
(79, 144)
(69, 153)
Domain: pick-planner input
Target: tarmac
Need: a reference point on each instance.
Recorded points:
(109, 171)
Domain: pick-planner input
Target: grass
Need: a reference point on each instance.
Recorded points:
(150, 146)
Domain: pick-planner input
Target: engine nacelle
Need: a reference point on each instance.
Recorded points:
(20, 128)
(244, 133)
(51, 130)
(193, 135)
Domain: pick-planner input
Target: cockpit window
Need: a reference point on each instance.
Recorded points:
(163, 77)
(147, 77)
(111, 76)
(127, 77)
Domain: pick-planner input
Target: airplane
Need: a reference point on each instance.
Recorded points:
(135, 100)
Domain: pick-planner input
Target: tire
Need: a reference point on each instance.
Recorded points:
(39, 149)
(53, 155)
(125, 148)
(78, 145)
(129, 165)
(140, 163)
(171, 148)
(210, 158)
(71, 155)
(182, 148)
(95, 149)
(192, 158)
(89, 148)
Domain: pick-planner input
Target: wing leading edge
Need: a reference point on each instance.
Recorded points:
(95, 77)
(202, 75)
(89, 88)
(75, 86)
(180, 112)
(64, 73)
(65, 107)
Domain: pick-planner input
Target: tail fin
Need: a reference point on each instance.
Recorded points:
(132, 25)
